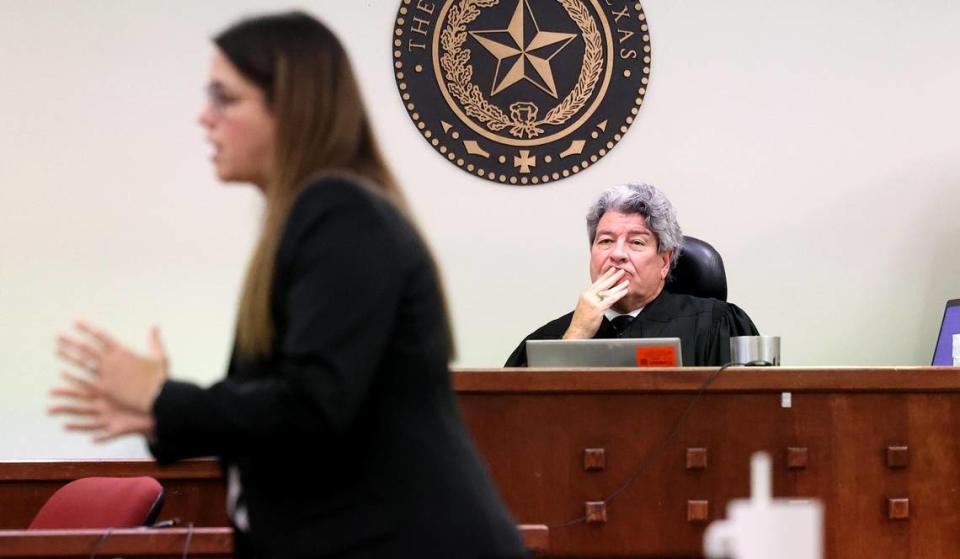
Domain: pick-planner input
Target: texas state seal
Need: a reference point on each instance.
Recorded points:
(522, 91)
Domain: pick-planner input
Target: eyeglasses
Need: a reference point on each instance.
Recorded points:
(219, 99)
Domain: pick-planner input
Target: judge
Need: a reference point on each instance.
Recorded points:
(635, 240)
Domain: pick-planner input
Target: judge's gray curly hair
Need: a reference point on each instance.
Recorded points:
(646, 200)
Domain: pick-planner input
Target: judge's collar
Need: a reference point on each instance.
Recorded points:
(611, 314)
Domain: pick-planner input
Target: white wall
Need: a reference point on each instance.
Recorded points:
(815, 144)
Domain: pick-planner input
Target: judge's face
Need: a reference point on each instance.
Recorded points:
(624, 242)
(239, 125)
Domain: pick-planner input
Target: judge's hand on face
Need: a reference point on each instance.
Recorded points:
(116, 396)
(596, 299)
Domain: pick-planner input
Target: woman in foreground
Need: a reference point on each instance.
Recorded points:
(336, 424)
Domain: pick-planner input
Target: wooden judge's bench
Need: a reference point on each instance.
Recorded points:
(636, 463)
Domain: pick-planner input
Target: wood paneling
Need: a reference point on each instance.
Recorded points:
(81, 544)
(833, 443)
(877, 446)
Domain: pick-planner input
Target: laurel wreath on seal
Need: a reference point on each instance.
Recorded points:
(522, 120)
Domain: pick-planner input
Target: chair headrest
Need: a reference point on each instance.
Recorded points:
(699, 271)
(101, 502)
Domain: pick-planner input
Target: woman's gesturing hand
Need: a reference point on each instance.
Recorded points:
(92, 412)
(117, 397)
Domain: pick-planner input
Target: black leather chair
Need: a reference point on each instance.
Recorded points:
(699, 271)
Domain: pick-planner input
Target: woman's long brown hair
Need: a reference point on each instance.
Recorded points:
(321, 127)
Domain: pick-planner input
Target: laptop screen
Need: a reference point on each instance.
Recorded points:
(943, 354)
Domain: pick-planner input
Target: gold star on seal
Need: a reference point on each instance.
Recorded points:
(514, 52)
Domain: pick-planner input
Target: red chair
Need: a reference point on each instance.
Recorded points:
(101, 502)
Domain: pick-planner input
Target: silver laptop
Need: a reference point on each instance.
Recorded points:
(613, 352)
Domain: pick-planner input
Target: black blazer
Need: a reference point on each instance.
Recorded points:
(347, 436)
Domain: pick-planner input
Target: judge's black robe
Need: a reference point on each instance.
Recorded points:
(704, 327)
